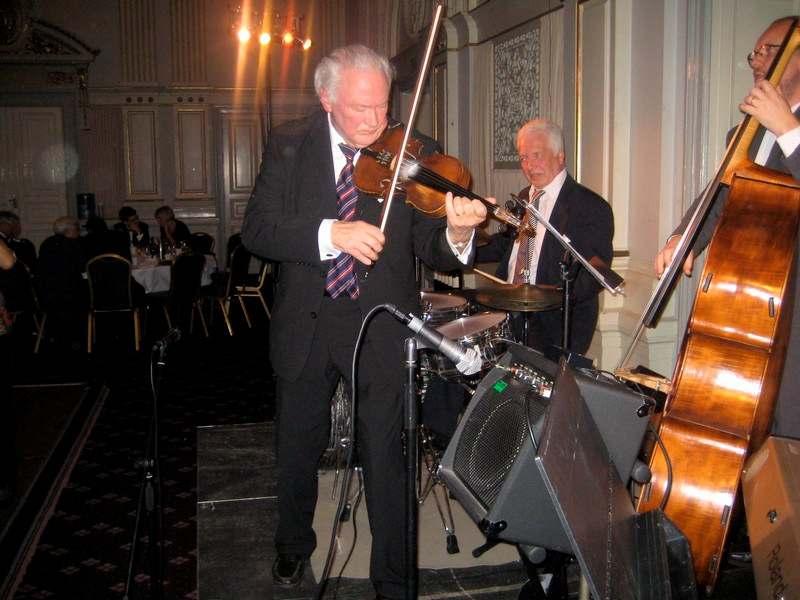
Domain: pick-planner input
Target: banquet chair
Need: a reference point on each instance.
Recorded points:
(202, 243)
(183, 299)
(256, 290)
(111, 291)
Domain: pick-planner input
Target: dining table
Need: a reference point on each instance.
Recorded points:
(155, 276)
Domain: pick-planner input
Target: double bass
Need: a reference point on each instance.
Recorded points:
(729, 369)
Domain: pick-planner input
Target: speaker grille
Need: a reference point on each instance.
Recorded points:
(494, 435)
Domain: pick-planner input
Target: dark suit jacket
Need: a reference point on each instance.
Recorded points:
(60, 274)
(182, 233)
(295, 190)
(140, 243)
(587, 220)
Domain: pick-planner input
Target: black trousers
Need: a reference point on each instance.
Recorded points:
(303, 428)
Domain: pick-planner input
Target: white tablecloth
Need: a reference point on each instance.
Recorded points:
(156, 278)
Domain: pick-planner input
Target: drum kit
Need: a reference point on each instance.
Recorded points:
(483, 324)
(488, 332)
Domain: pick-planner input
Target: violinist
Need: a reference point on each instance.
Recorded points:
(335, 265)
(778, 110)
(577, 212)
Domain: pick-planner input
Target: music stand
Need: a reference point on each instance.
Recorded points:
(602, 273)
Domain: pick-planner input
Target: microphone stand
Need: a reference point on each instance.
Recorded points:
(150, 491)
(603, 274)
(412, 463)
(567, 277)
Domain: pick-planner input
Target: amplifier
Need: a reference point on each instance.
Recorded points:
(489, 464)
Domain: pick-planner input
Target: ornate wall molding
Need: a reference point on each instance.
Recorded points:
(188, 22)
(24, 40)
(138, 41)
(516, 89)
(141, 153)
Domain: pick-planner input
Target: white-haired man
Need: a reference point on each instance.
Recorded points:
(335, 266)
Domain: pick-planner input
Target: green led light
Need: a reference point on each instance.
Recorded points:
(500, 385)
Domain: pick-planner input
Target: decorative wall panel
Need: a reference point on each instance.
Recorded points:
(188, 25)
(516, 90)
(141, 154)
(103, 156)
(244, 157)
(191, 153)
(138, 41)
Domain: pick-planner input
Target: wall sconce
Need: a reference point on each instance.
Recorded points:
(246, 24)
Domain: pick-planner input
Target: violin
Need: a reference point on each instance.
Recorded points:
(425, 180)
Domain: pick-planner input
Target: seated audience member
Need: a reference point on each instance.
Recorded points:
(11, 228)
(15, 281)
(62, 289)
(7, 425)
(138, 232)
(173, 231)
(99, 239)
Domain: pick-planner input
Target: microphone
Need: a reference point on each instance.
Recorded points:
(173, 336)
(467, 360)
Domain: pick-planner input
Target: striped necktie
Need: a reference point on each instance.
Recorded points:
(527, 249)
(342, 275)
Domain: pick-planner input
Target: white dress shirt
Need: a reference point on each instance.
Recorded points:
(546, 204)
(788, 142)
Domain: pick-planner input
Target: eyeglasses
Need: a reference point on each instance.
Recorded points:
(763, 51)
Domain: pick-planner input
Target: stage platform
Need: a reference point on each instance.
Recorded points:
(236, 514)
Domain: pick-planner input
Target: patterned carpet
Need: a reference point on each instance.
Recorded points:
(84, 548)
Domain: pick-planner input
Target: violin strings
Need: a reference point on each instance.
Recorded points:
(434, 180)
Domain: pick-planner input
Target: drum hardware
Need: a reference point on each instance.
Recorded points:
(485, 331)
(522, 298)
(432, 457)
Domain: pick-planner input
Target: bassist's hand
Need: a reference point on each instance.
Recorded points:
(664, 257)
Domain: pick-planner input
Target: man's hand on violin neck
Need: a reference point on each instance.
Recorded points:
(359, 239)
(463, 216)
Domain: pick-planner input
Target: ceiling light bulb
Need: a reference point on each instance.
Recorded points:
(288, 38)
(307, 44)
(244, 35)
(264, 39)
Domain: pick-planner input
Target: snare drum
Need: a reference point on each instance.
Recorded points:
(440, 308)
(486, 331)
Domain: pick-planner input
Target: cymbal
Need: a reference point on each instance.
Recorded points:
(520, 297)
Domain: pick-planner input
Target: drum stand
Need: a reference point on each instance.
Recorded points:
(433, 483)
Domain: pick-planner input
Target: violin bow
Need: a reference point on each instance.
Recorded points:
(421, 76)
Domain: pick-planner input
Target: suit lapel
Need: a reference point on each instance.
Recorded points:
(560, 214)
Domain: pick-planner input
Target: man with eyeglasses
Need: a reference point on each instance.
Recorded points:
(778, 110)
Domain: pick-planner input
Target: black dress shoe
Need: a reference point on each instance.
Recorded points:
(287, 570)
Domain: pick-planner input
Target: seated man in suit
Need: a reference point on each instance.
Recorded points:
(575, 211)
(62, 290)
(99, 239)
(138, 232)
(777, 109)
(173, 231)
